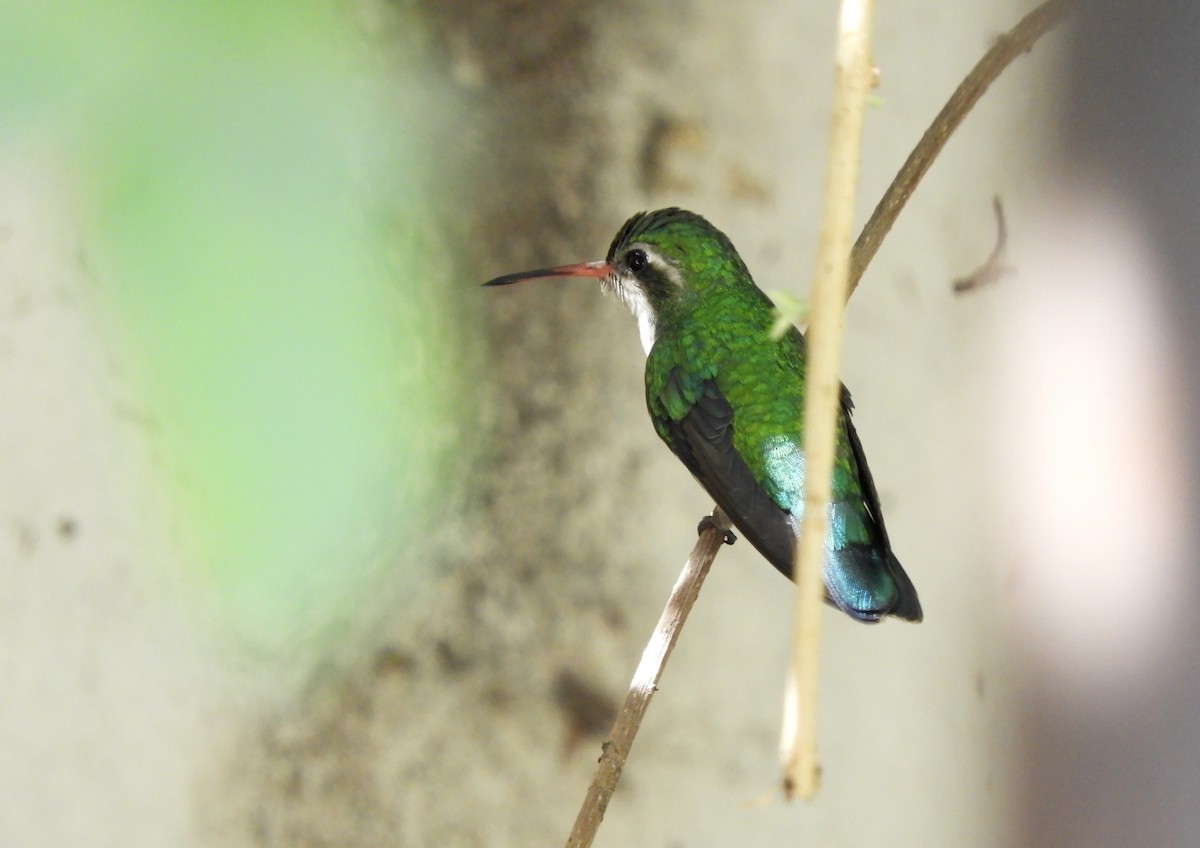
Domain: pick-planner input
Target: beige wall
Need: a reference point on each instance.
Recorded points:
(129, 718)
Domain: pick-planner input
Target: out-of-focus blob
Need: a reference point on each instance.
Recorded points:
(263, 203)
(1086, 439)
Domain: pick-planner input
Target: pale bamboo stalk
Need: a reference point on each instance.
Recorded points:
(853, 79)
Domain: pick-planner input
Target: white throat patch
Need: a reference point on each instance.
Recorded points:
(633, 297)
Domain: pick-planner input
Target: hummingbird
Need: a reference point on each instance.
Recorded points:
(728, 400)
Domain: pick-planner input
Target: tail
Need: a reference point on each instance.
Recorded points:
(908, 605)
(880, 586)
(867, 583)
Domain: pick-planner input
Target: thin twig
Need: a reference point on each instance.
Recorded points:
(713, 534)
(1020, 39)
(993, 267)
(852, 84)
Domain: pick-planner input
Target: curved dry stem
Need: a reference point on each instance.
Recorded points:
(1020, 39)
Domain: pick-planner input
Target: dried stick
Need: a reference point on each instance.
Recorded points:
(853, 79)
(993, 267)
(824, 340)
(713, 533)
(1020, 39)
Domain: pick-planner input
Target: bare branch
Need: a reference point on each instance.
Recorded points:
(713, 533)
(1020, 39)
(993, 267)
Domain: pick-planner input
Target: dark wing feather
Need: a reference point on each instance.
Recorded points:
(865, 481)
(908, 605)
(703, 439)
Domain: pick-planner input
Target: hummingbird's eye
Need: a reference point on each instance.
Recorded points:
(636, 261)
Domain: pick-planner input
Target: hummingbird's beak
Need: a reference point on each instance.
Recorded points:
(599, 269)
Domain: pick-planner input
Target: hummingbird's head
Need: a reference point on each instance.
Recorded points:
(660, 263)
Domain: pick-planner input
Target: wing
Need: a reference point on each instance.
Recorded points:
(866, 482)
(696, 422)
(907, 604)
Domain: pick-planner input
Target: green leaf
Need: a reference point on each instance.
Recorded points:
(789, 310)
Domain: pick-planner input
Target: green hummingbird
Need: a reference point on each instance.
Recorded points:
(729, 402)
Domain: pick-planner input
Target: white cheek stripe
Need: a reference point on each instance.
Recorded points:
(673, 274)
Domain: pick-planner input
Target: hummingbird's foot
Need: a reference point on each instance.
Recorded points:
(711, 521)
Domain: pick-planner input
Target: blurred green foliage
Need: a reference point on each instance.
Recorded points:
(261, 192)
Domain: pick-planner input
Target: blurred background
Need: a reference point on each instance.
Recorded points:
(307, 540)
